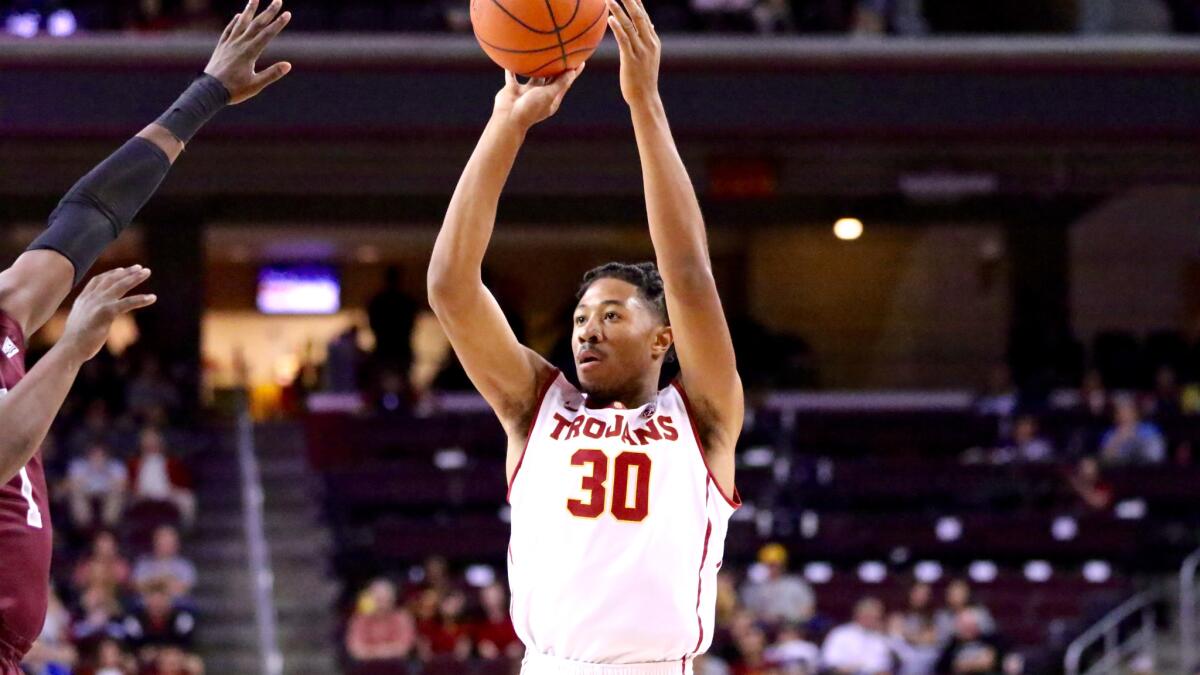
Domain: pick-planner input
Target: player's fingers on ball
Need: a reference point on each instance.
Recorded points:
(126, 305)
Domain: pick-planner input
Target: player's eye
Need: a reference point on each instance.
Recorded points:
(579, 320)
(611, 316)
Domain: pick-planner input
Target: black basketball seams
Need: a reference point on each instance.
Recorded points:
(551, 61)
(568, 41)
(558, 31)
(531, 29)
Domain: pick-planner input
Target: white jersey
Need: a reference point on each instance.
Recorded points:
(618, 530)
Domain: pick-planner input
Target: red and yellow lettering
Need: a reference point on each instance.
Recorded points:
(616, 428)
(575, 425)
(626, 463)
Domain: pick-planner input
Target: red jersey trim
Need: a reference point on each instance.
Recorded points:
(736, 499)
(700, 584)
(537, 412)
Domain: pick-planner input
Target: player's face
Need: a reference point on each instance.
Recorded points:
(618, 337)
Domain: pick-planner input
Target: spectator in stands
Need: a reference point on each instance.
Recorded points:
(958, 598)
(52, 653)
(158, 622)
(1091, 488)
(918, 647)
(909, 623)
(793, 653)
(174, 661)
(165, 566)
(96, 429)
(392, 313)
(112, 659)
(859, 647)
(99, 618)
(151, 389)
(1026, 445)
(380, 631)
(495, 636)
(96, 480)
(1166, 400)
(158, 477)
(971, 649)
(104, 566)
(343, 362)
(751, 654)
(1131, 440)
(447, 635)
(780, 597)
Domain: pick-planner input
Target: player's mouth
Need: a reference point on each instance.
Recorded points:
(588, 359)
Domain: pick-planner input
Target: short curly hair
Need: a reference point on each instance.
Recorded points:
(643, 275)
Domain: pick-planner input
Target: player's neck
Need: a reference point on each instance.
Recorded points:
(636, 397)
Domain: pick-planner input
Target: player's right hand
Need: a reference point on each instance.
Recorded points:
(101, 302)
(241, 44)
(527, 104)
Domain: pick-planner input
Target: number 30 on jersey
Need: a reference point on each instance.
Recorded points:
(629, 469)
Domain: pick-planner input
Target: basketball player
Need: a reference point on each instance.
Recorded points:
(91, 215)
(620, 492)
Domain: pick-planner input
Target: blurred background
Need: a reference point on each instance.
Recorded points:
(957, 243)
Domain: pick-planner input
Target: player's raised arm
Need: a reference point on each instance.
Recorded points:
(506, 373)
(27, 411)
(702, 340)
(101, 205)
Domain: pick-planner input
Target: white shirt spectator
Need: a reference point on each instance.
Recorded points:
(97, 479)
(853, 649)
(795, 653)
(153, 480)
(178, 568)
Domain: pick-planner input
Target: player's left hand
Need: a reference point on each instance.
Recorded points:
(241, 44)
(640, 47)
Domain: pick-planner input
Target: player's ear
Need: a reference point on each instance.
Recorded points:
(663, 339)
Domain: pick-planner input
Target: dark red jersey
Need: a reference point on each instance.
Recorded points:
(25, 534)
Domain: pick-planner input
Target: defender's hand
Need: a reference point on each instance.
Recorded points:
(101, 302)
(241, 44)
(640, 47)
(527, 104)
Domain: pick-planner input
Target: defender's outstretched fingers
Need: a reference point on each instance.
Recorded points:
(229, 28)
(134, 278)
(244, 19)
(260, 41)
(271, 75)
(263, 19)
(126, 305)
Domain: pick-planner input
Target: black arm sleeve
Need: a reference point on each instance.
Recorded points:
(101, 205)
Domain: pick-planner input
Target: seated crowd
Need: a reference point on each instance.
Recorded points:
(122, 498)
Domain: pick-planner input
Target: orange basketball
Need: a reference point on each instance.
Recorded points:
(539, 38)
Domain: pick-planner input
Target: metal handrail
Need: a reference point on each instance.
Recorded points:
(1187, 609)
(259, 558)
(1107, 630)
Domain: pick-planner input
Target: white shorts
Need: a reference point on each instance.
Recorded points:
(540, 664)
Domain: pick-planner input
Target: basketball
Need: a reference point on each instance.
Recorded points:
(539, 38)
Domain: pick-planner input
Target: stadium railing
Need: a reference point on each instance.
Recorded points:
(1112, 632)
